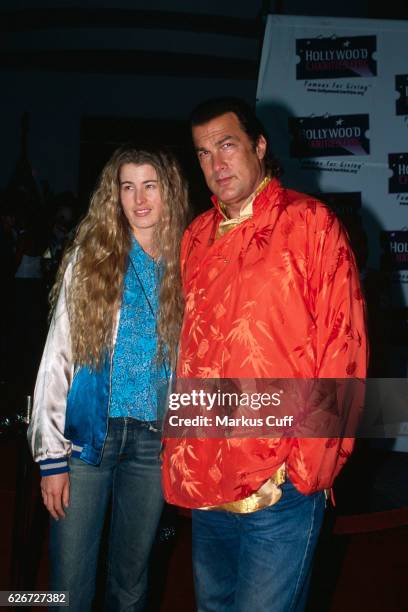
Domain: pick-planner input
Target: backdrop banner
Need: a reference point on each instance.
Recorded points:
(333, 95)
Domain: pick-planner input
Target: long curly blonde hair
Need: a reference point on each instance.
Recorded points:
(100, 251)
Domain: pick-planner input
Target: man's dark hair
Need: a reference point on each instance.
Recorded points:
(251, 125)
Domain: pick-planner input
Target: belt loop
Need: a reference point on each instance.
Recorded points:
(124, 435)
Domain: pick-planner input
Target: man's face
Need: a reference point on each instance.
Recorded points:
(232, 166)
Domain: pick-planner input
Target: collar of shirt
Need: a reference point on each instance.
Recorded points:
(245, 213)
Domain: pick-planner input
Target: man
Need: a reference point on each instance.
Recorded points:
(271, 290)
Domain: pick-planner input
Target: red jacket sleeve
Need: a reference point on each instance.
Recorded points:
(337, 305)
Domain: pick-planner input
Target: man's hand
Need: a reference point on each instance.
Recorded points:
(55, 494)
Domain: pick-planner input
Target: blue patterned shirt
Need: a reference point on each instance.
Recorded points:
(136, 375)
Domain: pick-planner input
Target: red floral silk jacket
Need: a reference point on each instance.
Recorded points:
(278, 296)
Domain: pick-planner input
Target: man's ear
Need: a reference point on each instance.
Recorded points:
(261, 147)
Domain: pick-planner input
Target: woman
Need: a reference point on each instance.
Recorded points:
(112, 342)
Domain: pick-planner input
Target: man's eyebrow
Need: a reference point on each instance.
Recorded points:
(123, 182)
(218, 142)
(224, 138)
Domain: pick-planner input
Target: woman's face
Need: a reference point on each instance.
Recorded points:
(140, 197)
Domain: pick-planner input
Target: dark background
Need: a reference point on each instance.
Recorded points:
(79, 79)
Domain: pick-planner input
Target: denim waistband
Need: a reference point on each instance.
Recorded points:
(131, 423)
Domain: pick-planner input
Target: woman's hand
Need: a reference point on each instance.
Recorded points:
(55, 494)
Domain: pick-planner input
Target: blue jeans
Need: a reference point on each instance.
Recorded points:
(260, 561)
(129, 475)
